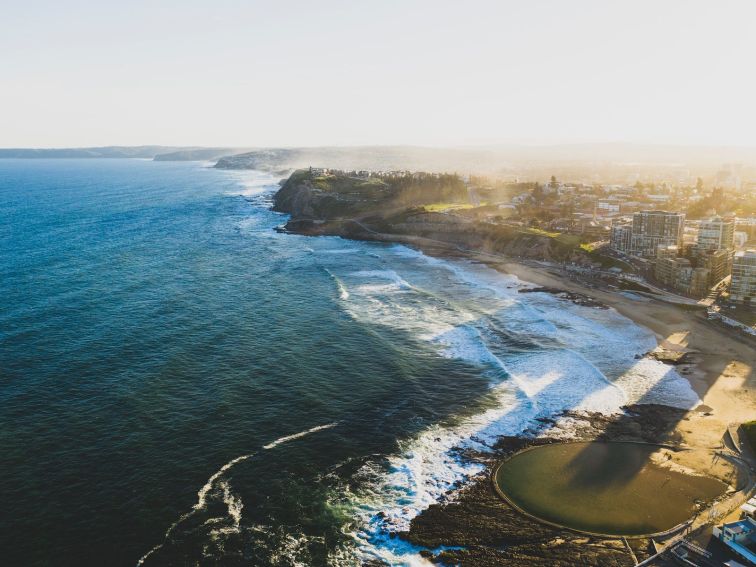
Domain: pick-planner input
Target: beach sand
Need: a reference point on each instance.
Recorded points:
(719, 364)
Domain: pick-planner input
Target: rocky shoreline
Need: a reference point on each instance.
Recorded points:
(577, 298)
(479, 528)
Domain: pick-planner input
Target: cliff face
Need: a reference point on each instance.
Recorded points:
(308, 196)
(296, 197)
(486, 237)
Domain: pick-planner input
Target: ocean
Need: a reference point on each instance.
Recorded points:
(181, 384)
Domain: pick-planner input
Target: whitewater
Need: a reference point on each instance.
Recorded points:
(540, 354)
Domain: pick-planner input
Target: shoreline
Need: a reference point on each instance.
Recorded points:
(716, 363)
(481, 528)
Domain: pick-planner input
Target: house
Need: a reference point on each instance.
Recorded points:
(740, 537)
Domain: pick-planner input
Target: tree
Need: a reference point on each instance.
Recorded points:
(538, 193)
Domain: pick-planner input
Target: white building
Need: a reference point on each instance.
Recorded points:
(740, 537)
(608, 206)
(621, 237)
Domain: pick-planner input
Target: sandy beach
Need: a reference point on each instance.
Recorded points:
(719, 363)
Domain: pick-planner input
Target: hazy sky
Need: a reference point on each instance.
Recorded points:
(247, 73)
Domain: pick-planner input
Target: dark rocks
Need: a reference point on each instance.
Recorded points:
(668, 356)
(577, 298)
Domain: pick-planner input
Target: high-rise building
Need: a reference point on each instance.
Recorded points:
(673, 271)
(621, 237)
(681, 274)
(652, 229)
(716, 234)
(718, 262)
(743, 286)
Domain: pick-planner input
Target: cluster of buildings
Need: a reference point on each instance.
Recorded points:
(689, 265)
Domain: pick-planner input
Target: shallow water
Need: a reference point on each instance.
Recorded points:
(608, 488)
(181, 383)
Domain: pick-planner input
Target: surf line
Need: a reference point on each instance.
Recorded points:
(287, 438)
(207, 487)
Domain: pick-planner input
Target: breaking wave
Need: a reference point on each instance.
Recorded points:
(218, 487)
(299, 435)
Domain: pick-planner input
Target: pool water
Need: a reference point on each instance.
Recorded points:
(607, 488)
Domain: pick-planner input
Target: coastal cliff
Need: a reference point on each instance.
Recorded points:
(405, 207)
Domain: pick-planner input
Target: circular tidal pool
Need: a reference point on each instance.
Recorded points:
(604, 488)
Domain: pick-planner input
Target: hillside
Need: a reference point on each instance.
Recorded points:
(319, 195)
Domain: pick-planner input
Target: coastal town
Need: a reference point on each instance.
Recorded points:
(694, 242)
(679, 260)
(688, 244)
(378, 284)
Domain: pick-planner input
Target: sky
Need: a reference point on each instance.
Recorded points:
(434, 73)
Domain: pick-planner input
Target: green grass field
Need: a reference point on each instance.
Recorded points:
(443, 207)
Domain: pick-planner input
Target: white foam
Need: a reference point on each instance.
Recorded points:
(202, 494)
(542, 355)
(390, 275)
(299, 435)
(233, 502)
(343, 292)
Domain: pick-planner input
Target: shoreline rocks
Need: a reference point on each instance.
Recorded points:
(480, 529)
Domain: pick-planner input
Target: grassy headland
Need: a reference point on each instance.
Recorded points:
(409, 205)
